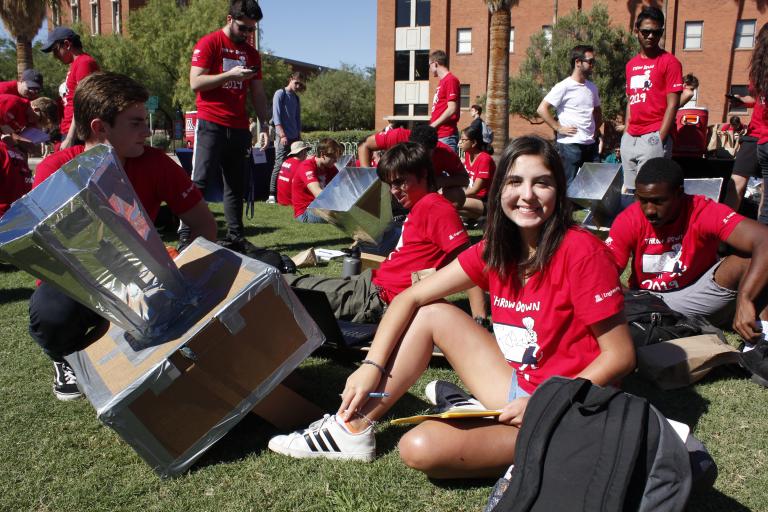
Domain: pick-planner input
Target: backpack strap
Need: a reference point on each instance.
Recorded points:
(545, 408)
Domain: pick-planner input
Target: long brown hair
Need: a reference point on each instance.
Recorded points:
(758, 64)
(504, 245)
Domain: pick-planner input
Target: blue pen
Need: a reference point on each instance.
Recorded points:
(376, 394)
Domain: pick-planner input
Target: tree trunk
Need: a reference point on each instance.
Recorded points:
(497, 101)
(23, 54)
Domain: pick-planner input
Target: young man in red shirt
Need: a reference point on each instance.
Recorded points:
(296, 156)
(654, 83)
(15, 176)
(445, 103)
(68, 49)
(311, 177)
(27, 87)
(673, 240)
(109, 109)
(224, 69)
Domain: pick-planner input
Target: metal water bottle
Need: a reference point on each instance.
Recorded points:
(352, 264)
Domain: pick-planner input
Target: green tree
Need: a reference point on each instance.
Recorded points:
(339, 100)
(22, 19)
(547, 63)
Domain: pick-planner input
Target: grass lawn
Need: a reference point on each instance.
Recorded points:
(56, 456)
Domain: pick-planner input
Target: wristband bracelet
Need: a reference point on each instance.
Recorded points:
(377, 365)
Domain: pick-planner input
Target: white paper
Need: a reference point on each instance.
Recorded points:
(681, 429)
(328, 254)
(259, 157)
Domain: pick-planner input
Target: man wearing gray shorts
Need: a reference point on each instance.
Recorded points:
(673, 239)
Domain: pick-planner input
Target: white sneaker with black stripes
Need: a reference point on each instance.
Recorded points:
(326, 438)
(446, 395)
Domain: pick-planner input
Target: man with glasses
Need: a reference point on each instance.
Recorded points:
(654, 83)
(67, 48)
(224, 69)
(579, 116)
(286, 116)
(28, 86)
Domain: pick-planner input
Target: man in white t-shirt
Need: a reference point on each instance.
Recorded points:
(579, 117)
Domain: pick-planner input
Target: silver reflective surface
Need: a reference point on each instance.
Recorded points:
(85, 231)
(357, 202)
(597, 186)
(708, 187)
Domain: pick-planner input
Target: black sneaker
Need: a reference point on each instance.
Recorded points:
(446, 395)
(65, 382)
(756, 361)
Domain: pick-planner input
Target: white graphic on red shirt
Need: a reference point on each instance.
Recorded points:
(519, 344)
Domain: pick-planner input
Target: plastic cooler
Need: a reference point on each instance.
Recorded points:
(190, 122)
(690, 136)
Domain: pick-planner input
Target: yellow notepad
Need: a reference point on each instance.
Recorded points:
(447, 415)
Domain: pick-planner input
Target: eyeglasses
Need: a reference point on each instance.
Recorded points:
(591, 60)
(245, 28)
(398, 183)
(647, 32)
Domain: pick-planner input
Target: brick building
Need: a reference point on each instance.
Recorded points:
(713, 40)
(100, 16)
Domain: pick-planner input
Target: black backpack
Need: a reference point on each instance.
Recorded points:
(587, 448)
(652, 321)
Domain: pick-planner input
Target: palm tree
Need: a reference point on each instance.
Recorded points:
(22, 19)
(497, 94)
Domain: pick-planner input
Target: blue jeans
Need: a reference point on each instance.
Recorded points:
(452, 141)
(574, 156)
(310, 218)
(762, 158)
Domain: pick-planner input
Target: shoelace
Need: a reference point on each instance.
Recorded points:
(69, 375)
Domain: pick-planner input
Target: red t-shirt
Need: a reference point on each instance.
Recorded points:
(308, 172)
(431, 231)
(543, 328)
(648, 83)
(444, 160)
(9, 88)
(447, 90)
(481, 169)
(156, 178)
(224, 105)
(15, 176)
(13, 111)
(672, 256)
(81, 67)
(285, 180)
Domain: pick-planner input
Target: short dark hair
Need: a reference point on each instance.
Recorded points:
(296, 75)
(478, 108)
(104, 95)
(578, 53)
(440, 57)
(475, 135)
(328, 147)
(734, 120)
(425, 135)
(406, 158)
(250, 9)
(660, 170)
(690, 79)
(650, 13)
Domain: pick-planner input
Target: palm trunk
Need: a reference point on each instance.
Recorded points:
(497, 102)
(23, 54)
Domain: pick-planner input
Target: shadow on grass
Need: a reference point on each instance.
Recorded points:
(300, 246)
(715, 501)
(7, 267)
(257, 230)
(8, 295)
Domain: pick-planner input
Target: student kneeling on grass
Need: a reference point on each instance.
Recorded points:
(311, 177)
(556, 307)
(432, 235)
(109, 109)
(673, 240)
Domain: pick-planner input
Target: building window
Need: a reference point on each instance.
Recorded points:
(75, 5)
(464, 40)
(745, 34)
(55, 14)
(547, 29)
(402, 109)
(421, 109)
(95, 22)
(402, 65)
(511, 39)
(693, 34)
(412, 13)
(403, 13)
(117, 22)
(421, 65)
(738, 108)
(464, 96)
(423, 8)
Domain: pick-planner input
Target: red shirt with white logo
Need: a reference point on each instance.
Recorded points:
(648, 83)
(308, 172)
(431, 232)
(449, 89)
(224, 105)
(542, 328)
(9, 88)
(482, 168)
(15, 176)
(285, 180)
(82, 66)
(13, 111)
(156, 178)
(674, 255)
(444, 160)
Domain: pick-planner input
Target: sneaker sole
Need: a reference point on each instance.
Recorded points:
(301, 454)
(66, 397)
(759, 380)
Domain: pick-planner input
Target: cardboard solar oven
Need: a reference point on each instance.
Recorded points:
(357, 202)
(170, 391)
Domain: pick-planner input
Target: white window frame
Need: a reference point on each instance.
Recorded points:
(547, 29)
(75, 6)
(117, 19)
(741, 34)
(95, 17)
(463, 40)
(694, 35)
(511, 39)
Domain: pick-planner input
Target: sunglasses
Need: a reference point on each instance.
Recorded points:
(245, 28)
(647, 32)
(588, 61)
